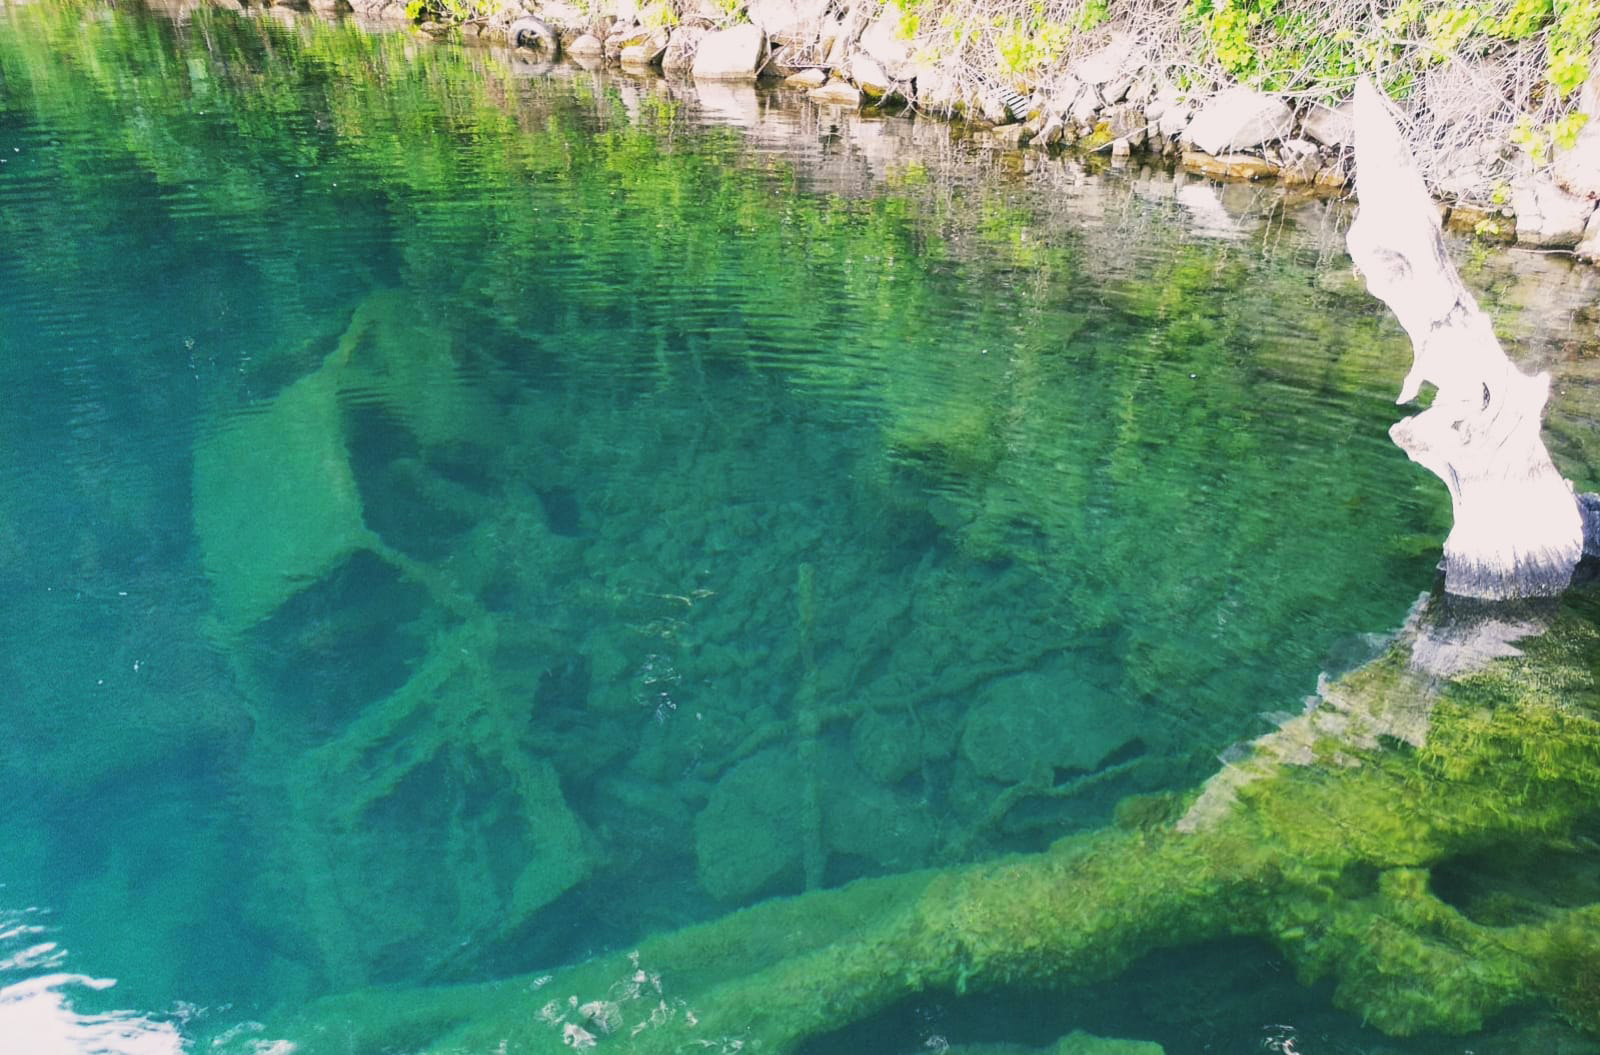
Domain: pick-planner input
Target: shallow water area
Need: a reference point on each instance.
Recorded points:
(461, 516)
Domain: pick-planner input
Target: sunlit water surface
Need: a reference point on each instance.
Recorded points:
(458, 517)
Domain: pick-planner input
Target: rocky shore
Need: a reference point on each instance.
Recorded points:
(1114, 98)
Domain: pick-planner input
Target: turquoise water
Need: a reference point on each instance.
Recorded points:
(460, 517)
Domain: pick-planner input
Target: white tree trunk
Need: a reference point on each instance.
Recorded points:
(1518, 532)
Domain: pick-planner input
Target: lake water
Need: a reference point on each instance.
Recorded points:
(459, 516)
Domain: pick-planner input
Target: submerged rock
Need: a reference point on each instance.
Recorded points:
(1030, 728)
(747, 840)
(1080, 1043)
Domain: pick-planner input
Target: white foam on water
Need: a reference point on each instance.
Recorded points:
(37, 1016)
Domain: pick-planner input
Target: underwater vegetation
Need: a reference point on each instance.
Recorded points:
(1476, 729)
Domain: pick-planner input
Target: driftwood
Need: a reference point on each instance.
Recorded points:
(1518, 531)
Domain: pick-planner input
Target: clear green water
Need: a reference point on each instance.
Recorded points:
(457, 518)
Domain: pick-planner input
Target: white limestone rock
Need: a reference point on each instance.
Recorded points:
(730, 54)
(869, 76)
(788, 21)
(1577, 169)
(681, 48)
(1238, 119)
(1548, 216)
(884, 44)
(811, 78)
(1116, 62)
(1589, 245)
(839, 93)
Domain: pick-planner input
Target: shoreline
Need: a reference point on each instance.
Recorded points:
(1110, 100)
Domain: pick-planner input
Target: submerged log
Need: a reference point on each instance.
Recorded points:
(1517, 529)
(1324, 840)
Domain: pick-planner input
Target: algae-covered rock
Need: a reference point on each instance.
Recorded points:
(1328, 853)
(275, 501)
(747, 840)
(1081, 1043)
(1030, 727)
(869, 822)
(887, 746)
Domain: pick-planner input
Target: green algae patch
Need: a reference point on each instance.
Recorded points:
(1472, 729)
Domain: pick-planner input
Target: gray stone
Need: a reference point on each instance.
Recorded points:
(1064, 92)
(646, 52)
(788, 21)
(586, 44)
(1008, 137)
(1126, 121)
(1577, 170)
(1049, 133)
(869, 76)
(681, 48)
(883, 42)
(1085, 108)
(1329, 126)
(1589, 245)
(1300, 170)
(841, 93)
(730, 54)
(937, 90)
(1175, 117)
(1239, 119)
(812, 78)
(1115, 60)
(1164, 100)
(1117, 90)
(1547, 215)
(562, 15)
(831, 31)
